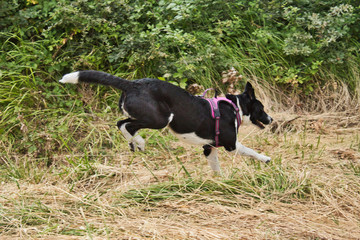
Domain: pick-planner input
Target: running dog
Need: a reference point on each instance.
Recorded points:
(155, 104)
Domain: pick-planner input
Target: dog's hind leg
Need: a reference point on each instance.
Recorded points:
(212, 157)
(135, 140)
(129, 128)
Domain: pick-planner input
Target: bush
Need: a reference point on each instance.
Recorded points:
(296, 45)
(188, 39)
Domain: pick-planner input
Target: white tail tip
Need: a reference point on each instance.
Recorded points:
(70, 78)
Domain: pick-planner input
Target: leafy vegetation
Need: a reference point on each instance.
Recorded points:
(289, 42)
(298, 46)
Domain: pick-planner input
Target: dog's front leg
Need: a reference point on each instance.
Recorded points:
(211, 154)
(241, 149)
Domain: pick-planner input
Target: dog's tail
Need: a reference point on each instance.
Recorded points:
(90, 76)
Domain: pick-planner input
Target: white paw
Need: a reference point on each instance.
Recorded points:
(139, 142)
(264, 158)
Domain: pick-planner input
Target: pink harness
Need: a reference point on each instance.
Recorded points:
(215, 113)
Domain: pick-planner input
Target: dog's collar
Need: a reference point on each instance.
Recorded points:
(215, 112)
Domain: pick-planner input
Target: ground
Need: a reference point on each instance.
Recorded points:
(310, 190)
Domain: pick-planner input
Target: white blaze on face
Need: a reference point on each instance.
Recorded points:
(70, 78)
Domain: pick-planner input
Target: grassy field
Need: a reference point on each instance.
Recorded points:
(67, 173)
(310, 190)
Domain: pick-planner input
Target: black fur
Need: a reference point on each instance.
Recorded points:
(150, 103)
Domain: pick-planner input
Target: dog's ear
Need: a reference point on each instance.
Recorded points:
(231, 97)
(249, 90)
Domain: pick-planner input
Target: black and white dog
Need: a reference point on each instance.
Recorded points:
(155, 104)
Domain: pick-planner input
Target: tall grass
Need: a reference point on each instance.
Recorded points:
(39, 116)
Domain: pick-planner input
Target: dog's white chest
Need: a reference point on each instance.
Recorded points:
(191, 138)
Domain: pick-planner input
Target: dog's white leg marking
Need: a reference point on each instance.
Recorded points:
(126, 134)
(70, 78)
(241, 149)
(137, 140)
(213, 160)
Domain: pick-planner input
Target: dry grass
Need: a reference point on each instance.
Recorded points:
(311, 189)
(324, 160)
(333, 97)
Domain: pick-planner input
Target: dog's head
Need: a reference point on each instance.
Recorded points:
(251, 108)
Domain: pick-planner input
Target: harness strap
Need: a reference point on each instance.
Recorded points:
(215, 113)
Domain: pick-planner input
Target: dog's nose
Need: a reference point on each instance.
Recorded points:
(270, 119)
